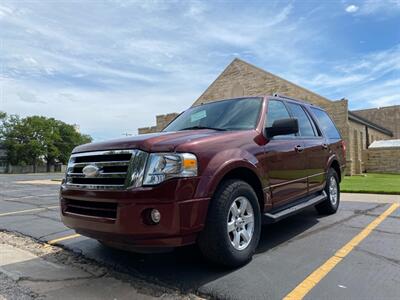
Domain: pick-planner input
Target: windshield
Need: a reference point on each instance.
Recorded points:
(232, 114)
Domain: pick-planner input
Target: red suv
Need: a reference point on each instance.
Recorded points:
(211, 177)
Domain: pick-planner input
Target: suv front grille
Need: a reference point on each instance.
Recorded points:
(92, 209)
(114, 169)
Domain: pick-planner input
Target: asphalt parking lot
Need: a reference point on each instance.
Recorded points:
(288, 252)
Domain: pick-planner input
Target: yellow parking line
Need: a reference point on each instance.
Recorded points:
(315, 277)
(72, 236)
(27, 211)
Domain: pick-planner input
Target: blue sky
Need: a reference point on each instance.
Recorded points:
(111, 66)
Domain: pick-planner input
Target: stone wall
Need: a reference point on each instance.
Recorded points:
(388, 117)
(161, 122)
(383, 160)
(358, 144)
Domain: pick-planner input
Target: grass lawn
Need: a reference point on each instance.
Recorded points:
(372, 183)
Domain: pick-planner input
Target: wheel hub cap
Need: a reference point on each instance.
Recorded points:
(333, 191)
(240, 223)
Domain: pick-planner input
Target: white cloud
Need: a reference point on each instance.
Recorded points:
(378, 6)
(352, 8)
(369, 80)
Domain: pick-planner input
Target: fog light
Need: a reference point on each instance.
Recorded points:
(155, 216)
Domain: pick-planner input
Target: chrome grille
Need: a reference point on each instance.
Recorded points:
(114, 169)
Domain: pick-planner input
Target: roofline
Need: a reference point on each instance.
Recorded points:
(262, 71)
(376, 108)
(361, 120)
(281, 78)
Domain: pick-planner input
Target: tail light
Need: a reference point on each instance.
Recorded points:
(344, 148)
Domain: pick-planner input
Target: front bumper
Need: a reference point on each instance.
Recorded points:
(182, 215)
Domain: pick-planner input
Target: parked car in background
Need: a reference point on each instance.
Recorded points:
(211, 177)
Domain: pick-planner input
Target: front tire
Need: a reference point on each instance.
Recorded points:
(332, 190)
(233, 226)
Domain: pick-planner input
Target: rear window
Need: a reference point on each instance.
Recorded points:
(326, 124)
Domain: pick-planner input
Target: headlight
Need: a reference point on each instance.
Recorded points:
(162, 166)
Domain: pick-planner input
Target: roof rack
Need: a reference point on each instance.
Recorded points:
(294, 99)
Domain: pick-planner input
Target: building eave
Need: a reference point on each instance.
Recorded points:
(363, 121)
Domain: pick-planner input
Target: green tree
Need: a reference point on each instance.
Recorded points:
(70, 138)
(37, 139)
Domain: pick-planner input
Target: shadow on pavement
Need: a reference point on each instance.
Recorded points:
(185, 268)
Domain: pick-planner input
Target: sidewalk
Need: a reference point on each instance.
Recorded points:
(377, 198)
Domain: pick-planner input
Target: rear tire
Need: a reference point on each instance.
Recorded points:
(233, 226)
(332, 190)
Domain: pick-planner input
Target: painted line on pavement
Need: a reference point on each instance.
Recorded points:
(315, 277)
(26, 197)
(28, 210)
(68, 237)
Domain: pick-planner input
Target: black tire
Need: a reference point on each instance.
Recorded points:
(329, 206)
(215, 241)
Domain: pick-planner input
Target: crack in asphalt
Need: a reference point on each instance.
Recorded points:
(46, 217)
(28, 278)
(22, 202)
(389, 217)
(66, 256)
(380, 256)
(57, 232)
(375, 230)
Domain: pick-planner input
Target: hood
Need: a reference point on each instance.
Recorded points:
(152, 142)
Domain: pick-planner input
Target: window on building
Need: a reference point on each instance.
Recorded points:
(326, 123)
(362, 140)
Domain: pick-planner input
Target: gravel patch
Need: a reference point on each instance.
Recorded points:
(22, 289)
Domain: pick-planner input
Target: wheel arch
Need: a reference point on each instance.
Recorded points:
(334, 164)
(249, 176)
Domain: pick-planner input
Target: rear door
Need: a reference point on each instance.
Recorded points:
(315, 147)
(284, 160)
(331, 134)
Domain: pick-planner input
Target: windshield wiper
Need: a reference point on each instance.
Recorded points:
(203, 127)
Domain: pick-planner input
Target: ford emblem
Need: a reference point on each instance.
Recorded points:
(90, 171)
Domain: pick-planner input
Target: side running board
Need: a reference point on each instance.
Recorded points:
(272, 217)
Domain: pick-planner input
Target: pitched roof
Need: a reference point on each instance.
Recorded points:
(237, 61)
(361, 120)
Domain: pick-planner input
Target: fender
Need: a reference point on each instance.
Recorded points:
(331, 159)
(220, 165)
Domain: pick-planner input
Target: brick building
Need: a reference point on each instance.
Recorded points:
(243, 79)
(388, 117)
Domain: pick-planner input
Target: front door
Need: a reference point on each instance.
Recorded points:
(315, 147)
(284, 160)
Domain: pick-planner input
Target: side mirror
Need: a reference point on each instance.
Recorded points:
(282, 127)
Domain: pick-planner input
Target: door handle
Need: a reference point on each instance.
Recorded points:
(325, 146)
(299, 148)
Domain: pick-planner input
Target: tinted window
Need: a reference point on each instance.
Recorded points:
(276, 110)
(326, 124)
(305, 127)
(235, 114)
